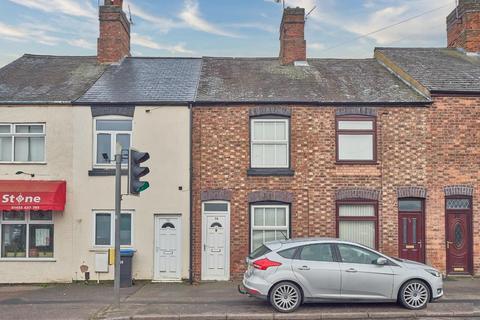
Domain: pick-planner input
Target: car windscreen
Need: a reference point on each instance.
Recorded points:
(260, 251)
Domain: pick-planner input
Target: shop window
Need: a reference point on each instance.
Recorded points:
(269, 143)
(104, 229)
(21, 142)
(356, 139)
(268, 223)
(357, 222)
(107, 133)
(26, 234)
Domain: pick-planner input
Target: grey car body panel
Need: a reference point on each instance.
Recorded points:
(330, 281)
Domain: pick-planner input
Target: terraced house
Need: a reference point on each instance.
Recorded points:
(382, 151)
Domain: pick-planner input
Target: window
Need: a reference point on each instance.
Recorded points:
(353, 254)
(107, 133)
(26, 234)
(357, 222)
(104, 229)
(410, 205)
(317, 252)
(288, 253)
(356, 139)
(269, 143)
(269, 222)
(21, 142)
(458, 204)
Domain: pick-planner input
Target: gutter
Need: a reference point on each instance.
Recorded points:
(36, 102)
(455, 93)
(137, 103)
(315, 103)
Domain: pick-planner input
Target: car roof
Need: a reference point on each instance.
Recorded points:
(289, 243)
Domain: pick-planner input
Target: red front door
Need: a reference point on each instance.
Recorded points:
(411, 229)
(458, 236)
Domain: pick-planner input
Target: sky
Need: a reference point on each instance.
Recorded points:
(334, 29)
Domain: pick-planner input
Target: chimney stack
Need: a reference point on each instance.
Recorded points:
(114, 41)
(293, 46)
(463, 26)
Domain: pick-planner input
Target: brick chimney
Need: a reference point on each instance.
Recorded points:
(114, 40)
(463, 26)
(293, 46)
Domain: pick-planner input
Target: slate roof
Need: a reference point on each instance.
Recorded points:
(324, 81)
(38, 79)
(438, 69)
(146, 81)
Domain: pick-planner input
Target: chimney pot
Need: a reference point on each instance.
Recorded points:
(293, 46)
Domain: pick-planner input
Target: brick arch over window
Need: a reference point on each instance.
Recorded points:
(412, 192)
(364, 111)
(458, 190)
(216, 194)
(276, 196)
(357, 193)
(270, 110)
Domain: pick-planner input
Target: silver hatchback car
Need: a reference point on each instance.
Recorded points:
(290, 272)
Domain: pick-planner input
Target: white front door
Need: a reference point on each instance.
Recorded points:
(216, 243)
(167, 248)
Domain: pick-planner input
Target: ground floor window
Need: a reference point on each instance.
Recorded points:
(104, 228)
(268, 223)
(357, 222)
(26, 234)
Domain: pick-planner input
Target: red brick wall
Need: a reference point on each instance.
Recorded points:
(221, 159)
(114, 41)
(463, 27)
(293, 46)
(454, 159)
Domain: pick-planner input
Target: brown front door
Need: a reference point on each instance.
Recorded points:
(411, 230)
(459, 235)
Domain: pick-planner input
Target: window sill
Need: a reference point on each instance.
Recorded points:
(265, 172)
(19, 163)
(360, 163)
(28, 260)
(97, 172)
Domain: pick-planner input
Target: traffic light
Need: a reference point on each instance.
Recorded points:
(135, 172)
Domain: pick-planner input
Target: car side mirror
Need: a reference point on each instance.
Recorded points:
(381, 261)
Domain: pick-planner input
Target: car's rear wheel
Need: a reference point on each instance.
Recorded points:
(414, 295)
(285, 297)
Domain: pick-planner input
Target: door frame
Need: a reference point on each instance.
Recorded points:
(156, 234)
(469, 213)
(423, 217)
(225, 214)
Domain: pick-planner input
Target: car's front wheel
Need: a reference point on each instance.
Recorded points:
(414, 295)
(285, 297)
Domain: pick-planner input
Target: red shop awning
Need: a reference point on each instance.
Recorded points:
(32, 195)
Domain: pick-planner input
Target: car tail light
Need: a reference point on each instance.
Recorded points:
(264, 264)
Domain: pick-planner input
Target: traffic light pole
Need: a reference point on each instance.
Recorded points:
(118, 201)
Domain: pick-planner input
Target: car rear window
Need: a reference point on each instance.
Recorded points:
(260, 251)
(288, 253)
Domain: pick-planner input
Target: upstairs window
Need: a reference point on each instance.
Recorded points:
(356, 139)
(109, 131)
(22, 142)
(269, 143)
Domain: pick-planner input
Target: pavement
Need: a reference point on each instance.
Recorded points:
(215, 300)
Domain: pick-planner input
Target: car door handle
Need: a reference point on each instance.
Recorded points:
(304, 268)
(351, 270)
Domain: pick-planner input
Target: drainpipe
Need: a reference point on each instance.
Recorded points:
(190, 275)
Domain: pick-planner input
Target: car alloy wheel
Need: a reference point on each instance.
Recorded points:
(415, 295)
(285, 297)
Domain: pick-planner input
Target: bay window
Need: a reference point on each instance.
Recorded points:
(357, 222)
(356, 139)
(26, 234)
(109, 131)
(22, 142)
(268, 223)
